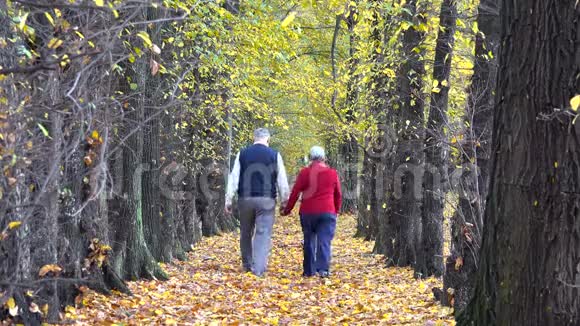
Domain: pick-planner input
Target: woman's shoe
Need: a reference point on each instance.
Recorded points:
(324, 274)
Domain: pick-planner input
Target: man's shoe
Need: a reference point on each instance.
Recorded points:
(324, 274)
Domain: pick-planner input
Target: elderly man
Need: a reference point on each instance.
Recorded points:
(257, 172)
(321, 200)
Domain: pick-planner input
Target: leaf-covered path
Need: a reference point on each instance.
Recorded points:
(209, 288)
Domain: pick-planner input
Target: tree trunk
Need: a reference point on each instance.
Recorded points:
(133, 259)
(467, 223)
(52, 196)
(383, 147)
(529, 271)
(403, 226)
(157, 218)
(430, 250)
(349, 148)
(367, 202)
(370, 195)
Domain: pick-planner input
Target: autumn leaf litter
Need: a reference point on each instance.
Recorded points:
(210, 288)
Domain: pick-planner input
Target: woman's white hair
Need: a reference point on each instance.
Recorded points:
(317, 153)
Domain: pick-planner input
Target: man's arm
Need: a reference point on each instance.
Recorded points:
(233, 183)
(282, 181)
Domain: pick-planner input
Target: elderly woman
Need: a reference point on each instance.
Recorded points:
(321, 200)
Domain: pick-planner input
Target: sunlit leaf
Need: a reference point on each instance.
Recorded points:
(14, 224)
(43, 129)
(49, 17)
(289, 19)
(12, 308)
(146, 39)
(48, 269)
(575, 102)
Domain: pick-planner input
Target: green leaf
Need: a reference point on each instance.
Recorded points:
(133, 86)
(145, 37)
(44, 130)
(99, 3)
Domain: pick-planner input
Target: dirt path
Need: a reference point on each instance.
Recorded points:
(210, 289)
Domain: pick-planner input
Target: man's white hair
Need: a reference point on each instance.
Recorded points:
(261, 133)
(317, 153)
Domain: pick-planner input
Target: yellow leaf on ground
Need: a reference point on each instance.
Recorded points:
(355, 293)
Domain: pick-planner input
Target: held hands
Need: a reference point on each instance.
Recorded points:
(283, 211)
(228, 209)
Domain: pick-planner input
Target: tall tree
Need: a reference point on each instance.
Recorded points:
(156, 222)
(402, 225)
(529, 266)
(133, 256)
(467, 222)
(367, 199)
(430, 250)
(349, 147)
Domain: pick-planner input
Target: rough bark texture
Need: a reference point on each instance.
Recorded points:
(367, 199)
(403, 227)
(467, 222)
(371, 183)
(430, 250)
(529, 268)
(133, 258)
(382, 151)
(157, 221)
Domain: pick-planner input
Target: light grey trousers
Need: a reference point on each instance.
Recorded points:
(256, 223)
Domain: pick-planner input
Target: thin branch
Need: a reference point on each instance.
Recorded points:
(60, 5)
(50, 65)
(333, 62)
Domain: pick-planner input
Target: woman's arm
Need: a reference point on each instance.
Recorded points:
(296, 190)
(337, 194)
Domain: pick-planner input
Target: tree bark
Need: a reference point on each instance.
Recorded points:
(529, 272)
(467, 222)
(430, 251)
(349, 148)
(402, 229)
(378, 153)
(367, 200)
(133, 258)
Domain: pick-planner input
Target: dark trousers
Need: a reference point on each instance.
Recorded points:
(318, 230)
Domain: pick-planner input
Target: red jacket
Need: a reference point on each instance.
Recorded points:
(320, 190)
